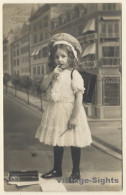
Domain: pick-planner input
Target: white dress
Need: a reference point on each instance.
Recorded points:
(61, 96)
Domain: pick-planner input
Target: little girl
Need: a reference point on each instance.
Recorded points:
(64, 122)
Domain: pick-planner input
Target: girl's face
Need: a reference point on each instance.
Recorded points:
(61, 58)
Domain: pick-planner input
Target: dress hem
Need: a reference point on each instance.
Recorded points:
(60, 145)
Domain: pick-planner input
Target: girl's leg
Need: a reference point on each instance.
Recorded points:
(76, 154)
(57, 170)
(58, 156)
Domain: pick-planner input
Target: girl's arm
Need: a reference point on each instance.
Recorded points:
(76, 110)
(47, 80)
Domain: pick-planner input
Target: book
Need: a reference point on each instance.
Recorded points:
(23, 176)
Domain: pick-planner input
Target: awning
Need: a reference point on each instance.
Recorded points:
(90, 26)
(110, 18)
(91, 49)
(33, 53)
(36, 51)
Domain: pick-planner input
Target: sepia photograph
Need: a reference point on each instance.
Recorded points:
(62, 96)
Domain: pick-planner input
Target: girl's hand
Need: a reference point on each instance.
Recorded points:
(72, 123)
(56, 72)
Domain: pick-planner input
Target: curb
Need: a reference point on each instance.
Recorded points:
(24, 103)
(97, 143)
(107, 144)
(107, 150)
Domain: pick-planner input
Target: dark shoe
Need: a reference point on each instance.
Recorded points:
(51, 174)
(75, 176)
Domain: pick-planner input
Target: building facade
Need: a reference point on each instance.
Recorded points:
(41, 28)
(7, 68)
(98, 29)
(6, 55)
(20, 53)
(102, 56)
(39, 35)
(25, 52)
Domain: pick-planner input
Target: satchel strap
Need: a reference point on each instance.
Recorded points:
(72, 73)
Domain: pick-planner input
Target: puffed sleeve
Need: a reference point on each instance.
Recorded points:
(77, 82)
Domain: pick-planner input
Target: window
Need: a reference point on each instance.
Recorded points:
(28, 69)
(35, 39)
(25, 39)
(14, 62)
(14, 53)
(44, 52)
(103, 27)
(46, 21)
(35, 57)
(18, 62)
(40, 54)
(46, 33)
(110, 28)
(18, 52)
(52, 25)
(41, 36)
(116, 52)
(116, 30)
(25, 59)
(35, 27)
(34, 70)
(111, 91)
(110, 51)
(25, 49)
(42, 70)
(109, 6)
(40, 24)
(22, 60)
(21, 50)
(38, 69)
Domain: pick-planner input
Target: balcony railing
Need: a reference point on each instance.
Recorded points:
(88, 64)
(88, 37)
(109, 35)
(115, 61)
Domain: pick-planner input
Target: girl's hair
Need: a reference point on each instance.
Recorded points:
(72, 61)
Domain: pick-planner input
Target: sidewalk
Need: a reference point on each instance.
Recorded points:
(106, 134)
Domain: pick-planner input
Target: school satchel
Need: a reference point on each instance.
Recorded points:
(89, 84)
(23, 176)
